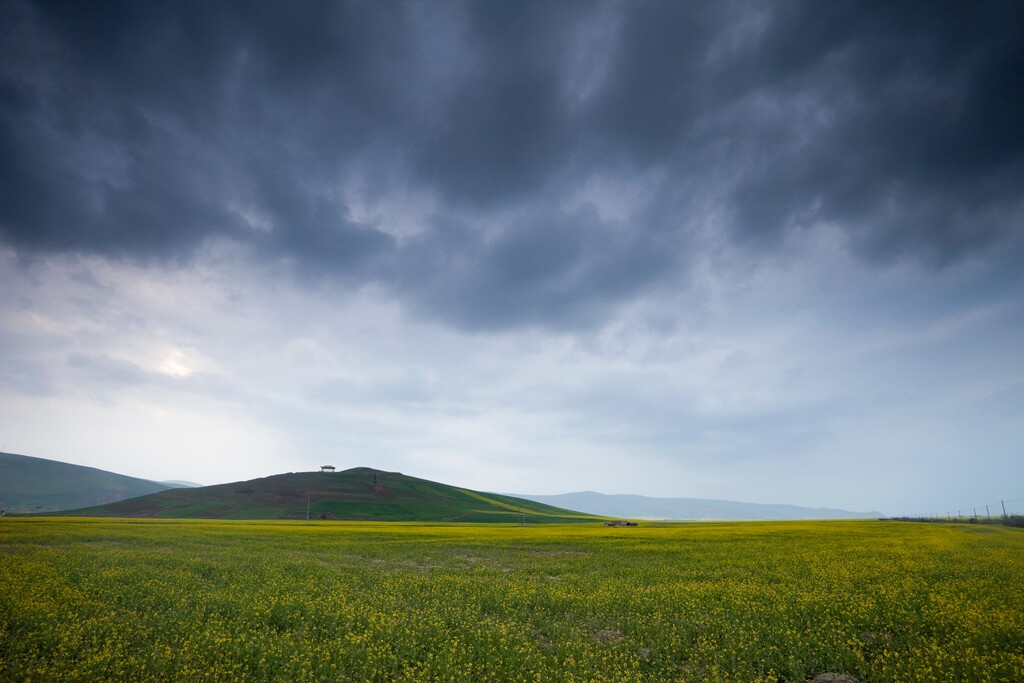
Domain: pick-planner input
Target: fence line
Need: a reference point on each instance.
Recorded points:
(1007, 510)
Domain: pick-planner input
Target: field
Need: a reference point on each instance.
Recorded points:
(268, 601)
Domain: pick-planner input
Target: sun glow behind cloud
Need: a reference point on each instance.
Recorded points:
(177, 364)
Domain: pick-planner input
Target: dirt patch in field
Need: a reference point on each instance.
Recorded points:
(874, 638)
(543, 640)
(607, 636)
(558, 553)
(830, 677)
(873, 644)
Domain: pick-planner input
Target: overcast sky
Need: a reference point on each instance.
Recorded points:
(768, 252)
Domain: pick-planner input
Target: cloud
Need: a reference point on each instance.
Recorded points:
(736, 243)
(900, 132)
(146, 132)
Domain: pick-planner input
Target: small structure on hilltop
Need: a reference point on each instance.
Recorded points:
(620, 522)
(326, 468)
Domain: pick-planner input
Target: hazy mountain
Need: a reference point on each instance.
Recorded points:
(29, 484)
(644, 507)
(356, 494)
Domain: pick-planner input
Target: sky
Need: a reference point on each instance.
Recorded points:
(767, 252)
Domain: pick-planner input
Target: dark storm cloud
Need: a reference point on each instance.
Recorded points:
(902, 126)
(556, 268)
(144, 130)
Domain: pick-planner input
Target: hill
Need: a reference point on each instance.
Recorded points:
(356, 494)
(644, 507)
(29, 484)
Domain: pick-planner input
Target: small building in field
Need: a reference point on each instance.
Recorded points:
(326, 468)
(620, 522)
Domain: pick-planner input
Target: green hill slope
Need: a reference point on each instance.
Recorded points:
(30, 484)
(356, 494)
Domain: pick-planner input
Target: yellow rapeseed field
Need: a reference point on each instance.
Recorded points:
(85, 600)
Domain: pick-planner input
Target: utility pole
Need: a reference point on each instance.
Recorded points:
(987, 513)
(975, 513)
(1003, 503)
(307, 510)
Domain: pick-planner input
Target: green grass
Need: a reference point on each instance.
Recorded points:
(356, 494)
(282, 601)
(30, 484)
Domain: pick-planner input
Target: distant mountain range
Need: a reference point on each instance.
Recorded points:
(644, 507)
(177, 484)
(29, 484)
(35, 485)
